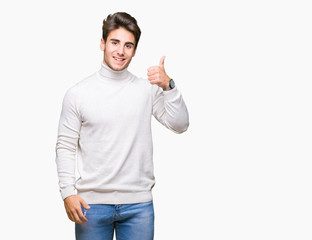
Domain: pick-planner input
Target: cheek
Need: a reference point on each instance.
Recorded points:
(130, 52)
(109, 48)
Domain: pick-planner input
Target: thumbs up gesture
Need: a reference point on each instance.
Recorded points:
(157, 75)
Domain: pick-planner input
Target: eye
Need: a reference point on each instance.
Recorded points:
(129, 46)
(114, 43)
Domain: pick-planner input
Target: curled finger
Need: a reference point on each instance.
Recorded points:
(82, 216)
(78, 220)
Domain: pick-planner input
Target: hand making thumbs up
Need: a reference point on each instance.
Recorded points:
(157, 75)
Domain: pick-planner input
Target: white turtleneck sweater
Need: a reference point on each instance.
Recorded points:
(105, 125)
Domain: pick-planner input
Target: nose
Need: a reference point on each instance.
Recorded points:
(120, 50)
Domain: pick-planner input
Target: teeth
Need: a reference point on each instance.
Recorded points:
(119, 59)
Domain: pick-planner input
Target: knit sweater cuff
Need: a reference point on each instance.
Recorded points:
(171, 93)
(69, 191)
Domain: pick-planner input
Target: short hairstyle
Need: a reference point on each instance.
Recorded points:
(121, 20)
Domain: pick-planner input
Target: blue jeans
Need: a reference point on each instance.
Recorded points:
(130, 222)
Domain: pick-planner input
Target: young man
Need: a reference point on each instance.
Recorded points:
(106, 120)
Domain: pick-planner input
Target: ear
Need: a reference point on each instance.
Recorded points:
(102, 44)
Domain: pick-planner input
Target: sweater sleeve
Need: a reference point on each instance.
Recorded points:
(66, 145)
(169, 109)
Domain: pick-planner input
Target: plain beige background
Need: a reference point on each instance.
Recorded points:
(243, 169)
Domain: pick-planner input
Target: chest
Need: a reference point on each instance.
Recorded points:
(117, 106)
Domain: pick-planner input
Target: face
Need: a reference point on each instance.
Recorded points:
(119, 49)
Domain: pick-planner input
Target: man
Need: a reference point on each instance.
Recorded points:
(106, 120)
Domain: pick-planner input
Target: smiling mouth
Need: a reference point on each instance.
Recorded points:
(119, 59)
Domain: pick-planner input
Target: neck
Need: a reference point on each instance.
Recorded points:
(108, 73)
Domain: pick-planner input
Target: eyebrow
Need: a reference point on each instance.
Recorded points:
(116, 40)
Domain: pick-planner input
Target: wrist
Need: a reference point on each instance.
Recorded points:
(167, 88)
(170, 85)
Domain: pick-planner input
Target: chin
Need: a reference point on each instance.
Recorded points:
(116, 67)
(119, 67)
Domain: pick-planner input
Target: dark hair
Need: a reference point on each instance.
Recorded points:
(118, 20)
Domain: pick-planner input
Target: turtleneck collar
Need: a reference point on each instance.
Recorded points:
(107, 73)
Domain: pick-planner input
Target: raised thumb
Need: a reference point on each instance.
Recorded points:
(162, 62)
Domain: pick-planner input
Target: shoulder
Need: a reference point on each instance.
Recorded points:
(153, 89)
(140, 81)
(82, 85)
(85, 82)
(75, 93)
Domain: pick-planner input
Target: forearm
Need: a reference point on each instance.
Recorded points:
(66, 145)
(169, 108)
(65, 161)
